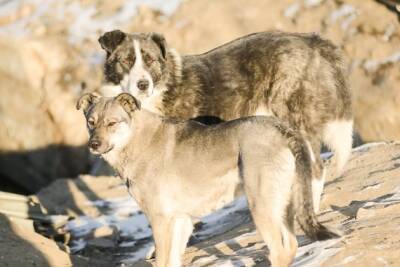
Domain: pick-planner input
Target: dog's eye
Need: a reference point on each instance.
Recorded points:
(127, 61)
(90, 123)
(110, 124)
(149, 60)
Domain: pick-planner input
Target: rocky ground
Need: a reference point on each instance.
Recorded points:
(49, 55)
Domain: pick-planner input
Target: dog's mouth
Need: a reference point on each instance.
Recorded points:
(100, 152)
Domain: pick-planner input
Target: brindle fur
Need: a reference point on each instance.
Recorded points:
(299, 78)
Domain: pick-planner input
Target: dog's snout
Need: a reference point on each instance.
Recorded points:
(94, 144)
(143, 85)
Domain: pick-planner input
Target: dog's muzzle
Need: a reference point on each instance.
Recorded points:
(98, 147)
(94, 144)
(143, 85)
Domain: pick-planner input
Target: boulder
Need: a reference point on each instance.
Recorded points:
(42, 135)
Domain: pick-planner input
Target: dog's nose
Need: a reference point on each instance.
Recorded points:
(94, 144)
(143, 85)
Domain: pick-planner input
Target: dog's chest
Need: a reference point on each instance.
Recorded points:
(154, 102)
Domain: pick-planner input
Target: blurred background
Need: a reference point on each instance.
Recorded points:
(49, 53)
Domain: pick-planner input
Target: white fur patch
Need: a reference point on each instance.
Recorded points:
(338, 135)
(137, 72)
(153, 102)
(262, 110)
(317, 187)
(119, 139)
(310, 151)
(110, 90)
(181, 230)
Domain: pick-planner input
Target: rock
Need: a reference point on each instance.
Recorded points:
(77, 197)
(42, 135)
(22, 247)
(101, 242)
(106, 231)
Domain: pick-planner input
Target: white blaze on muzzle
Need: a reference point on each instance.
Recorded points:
(138, 74)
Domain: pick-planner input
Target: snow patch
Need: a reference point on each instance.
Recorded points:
(373, 65)
(312, 3)
(366, 147)
(315, 253)
(291, 10)
(343, 11)
(82, 21)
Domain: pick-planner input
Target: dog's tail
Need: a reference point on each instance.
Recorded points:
(302, 194)
(338, 136)
(338, 132)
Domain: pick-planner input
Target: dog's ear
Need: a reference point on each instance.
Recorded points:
(110, 40)
(159, 39)
(86, 101)
(128, 102)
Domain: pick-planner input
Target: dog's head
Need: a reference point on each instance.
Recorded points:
(135, 61)
(109, 120)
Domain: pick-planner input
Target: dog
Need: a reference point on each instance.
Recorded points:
(180, 170)
(299, 78)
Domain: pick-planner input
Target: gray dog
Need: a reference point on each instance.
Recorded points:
(178, 171)
(299, 78)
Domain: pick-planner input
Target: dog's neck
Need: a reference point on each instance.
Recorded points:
(173, 68)
(144, 127)
(173, 98)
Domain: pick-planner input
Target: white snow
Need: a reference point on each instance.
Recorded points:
(344, 11)
(83, 21)
(372, 65)
(291, 10)
(312, 3)
(315, 253)
(366, 147)
(122, 213)
(125, 215)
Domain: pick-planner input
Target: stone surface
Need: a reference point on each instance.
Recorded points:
(23, 247)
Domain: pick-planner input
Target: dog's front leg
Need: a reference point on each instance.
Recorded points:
(171, 235)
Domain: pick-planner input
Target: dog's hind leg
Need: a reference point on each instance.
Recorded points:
(318, 172)
(171, 235)
(268, 190)
(276, 234)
